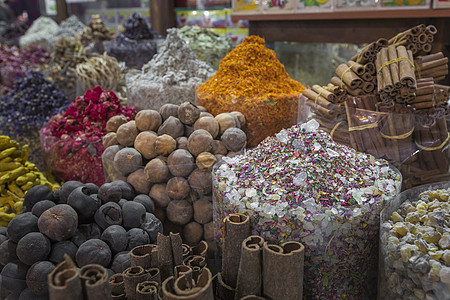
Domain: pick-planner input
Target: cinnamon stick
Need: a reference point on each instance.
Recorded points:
(64, 281)
(237, 229)
(348, 76)
(310, 94)
(385, 71)
(153, 274)
(356, 67)
(132, 277)
(145, 256)
(177, 248)
(165, 256)
(325, 93)
(392, 55)
(283, 270)
(117, 285)
(95, 280)
(406, 69)
(201, 249)
(147, 290)
(202, 290)
(249, 275)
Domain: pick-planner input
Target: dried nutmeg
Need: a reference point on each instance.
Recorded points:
(145, 144)
(192, 233)
(203, 211)
(156, 170)
(127, 160)
(127, 133)
(200, 181)
(188, 130)
(168, 110)
(179, 212)
(165, 144)
(188, 113)
(180, 163)
(226, 120)
(172, 126)
(234, 139)
(158, 193)
(148, 119)
(240, 117)
(139, 181)
(209, 124)
(114, 123)
(205, 161)
(200, 141)
(219, 148)
(178, 188)
(110, 139)
(182, 142)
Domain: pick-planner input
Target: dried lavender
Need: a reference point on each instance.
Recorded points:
(32, 102)
(172, 76)
(67, 29)
(207, 45)
(134, 45)
(39, 33)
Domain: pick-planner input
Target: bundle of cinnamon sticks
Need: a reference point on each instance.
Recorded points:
(433, 65)
(417, 39)
(368, 53)
(396, 79)
(323, 102)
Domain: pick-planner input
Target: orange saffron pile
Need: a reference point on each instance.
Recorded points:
(253, 81)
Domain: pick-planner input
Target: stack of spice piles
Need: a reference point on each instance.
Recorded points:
(251, 80)
(300, 185)
(39, 34)
(27, 108)
(404, 119)
(172, 76)
(135, 45)
(95, 34)
(208, 46)
(72, 142)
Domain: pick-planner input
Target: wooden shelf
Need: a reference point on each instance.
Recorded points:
(349, 15)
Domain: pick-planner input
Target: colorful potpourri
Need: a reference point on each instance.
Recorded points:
(72, 142)
(415, 244)
(252, 80)
(301, 185)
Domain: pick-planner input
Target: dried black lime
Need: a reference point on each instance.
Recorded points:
(94, 251)
(115, 236)
(22, 224)
(36, 277)
(33, 247)
(59, 222)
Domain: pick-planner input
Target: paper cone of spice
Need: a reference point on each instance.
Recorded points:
(252, 80)
(283, 271)
(64, 281)
(95, 280)
(249, 275)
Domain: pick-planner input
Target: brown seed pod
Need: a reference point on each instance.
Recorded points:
(180, 163)
(158, 193)
(139, 181)
(172, 126)
(209, 124)
(234, 139)
(109, 139)
(192, 233)
(188, 113)
(182, 142)
(219, 148)
(114, 123)
(148, 119)
(127, 133)
(168, 110)
(145, 144)
(156, 171)
(179, 212)
(226, 120)
(241, 118)
(203, 211)
(200, 182)
(200, 141)
(178, 188)
(165, 144)
(205, 161)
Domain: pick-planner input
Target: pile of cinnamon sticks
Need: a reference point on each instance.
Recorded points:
(396, 79)
(417, 39)
(433, 65)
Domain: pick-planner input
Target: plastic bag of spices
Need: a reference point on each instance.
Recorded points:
(301, 185)
(415, 244)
